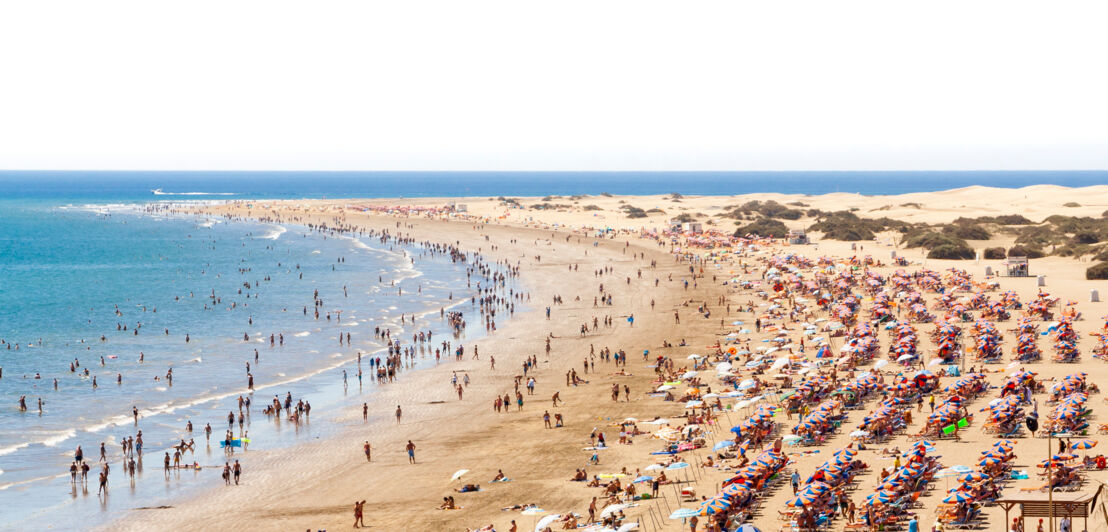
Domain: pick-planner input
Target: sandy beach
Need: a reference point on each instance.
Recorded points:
(560, 248)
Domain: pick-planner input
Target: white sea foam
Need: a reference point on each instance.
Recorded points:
(160, 193)
(275, 233)
(302, 334)
(59, 437)
(13, 448)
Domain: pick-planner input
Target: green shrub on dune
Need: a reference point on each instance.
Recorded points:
(951, 251)
(994, 253)
(1097, 271)
(765, 227)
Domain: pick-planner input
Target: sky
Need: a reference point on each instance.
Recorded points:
(567, 85)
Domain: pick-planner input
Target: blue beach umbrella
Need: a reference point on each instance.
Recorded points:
(683, 513)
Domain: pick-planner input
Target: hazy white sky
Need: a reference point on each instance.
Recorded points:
(567, 85)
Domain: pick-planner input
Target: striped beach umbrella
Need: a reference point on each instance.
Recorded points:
(974, 476)
(990, 460)
(958, 496)
(714, 506)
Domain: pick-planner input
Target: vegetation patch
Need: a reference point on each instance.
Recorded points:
(1097, 271)
(847, 226)
(765, 227)
(768, 209)
(994, 253)
(951, 251)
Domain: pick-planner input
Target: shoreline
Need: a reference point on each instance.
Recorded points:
(497, 343)
(316, 484)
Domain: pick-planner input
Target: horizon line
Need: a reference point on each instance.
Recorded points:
(165, 170)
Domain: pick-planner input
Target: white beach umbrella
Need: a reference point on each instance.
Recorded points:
(611, 509)
(545, 522)
(458, 474)
(880, 364)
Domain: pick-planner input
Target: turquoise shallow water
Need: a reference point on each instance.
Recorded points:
(73, 272)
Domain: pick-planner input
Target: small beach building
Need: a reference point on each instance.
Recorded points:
(798, 237)
(1017, 267)
(692, 227)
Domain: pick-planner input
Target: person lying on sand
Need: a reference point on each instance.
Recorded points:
(468, 488)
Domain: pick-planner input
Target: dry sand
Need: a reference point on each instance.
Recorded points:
(314, 485)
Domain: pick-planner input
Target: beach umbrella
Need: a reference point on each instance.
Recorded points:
(611, 509)
(694, 356)
(973, 476)
(627, 527)
(746, 384)
(689, 374)
(733, 490)
(958, 496)
(802, 499)
(654, 467)
(665, 387)
(534, 510)
(990, 460)
(458, 474)
(677, 465)
(545, 521)
(723, 445)
(946, 473)
(880, 364)
(1083, 444)
(714, 505)
(644, 478)
(747, 527)
(683, 513)
(694, 403)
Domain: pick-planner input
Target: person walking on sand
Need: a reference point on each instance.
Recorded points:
(237, 471)
(368, 451)
(398, 414)
(411, 451)
(359, 508)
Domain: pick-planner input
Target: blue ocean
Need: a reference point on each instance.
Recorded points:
(97, 286)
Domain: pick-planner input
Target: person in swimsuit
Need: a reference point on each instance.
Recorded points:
(411, 452)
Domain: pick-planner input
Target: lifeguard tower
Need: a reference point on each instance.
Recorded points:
(798, 237)
(1017, 267)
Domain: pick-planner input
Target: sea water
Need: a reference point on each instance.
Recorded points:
(74, 273)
